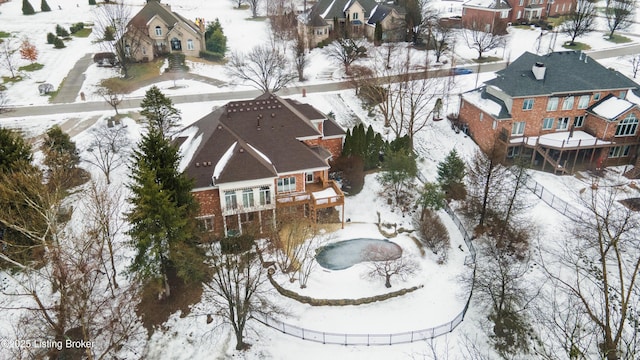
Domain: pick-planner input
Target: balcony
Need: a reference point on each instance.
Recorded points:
(317, 195)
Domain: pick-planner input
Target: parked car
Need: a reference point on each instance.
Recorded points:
(461, 71)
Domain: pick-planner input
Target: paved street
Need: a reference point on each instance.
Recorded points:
(74, 82)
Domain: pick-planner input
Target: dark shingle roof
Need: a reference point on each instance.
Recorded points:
(566, 72)
(263, 135)
(335, 8)
(155, 8)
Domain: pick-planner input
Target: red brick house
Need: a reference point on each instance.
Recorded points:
(562, 109)
(251, 158)
(490, 12)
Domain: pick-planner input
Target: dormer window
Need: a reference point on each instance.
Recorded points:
(158, 31)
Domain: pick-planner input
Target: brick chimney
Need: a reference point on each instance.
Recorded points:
(538, 70)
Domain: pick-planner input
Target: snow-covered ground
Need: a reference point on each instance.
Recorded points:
(442, 296)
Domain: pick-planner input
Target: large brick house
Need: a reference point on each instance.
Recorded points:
(156, 30)
(251, 158)
(563, 109)
(488, 14)
(359, 17)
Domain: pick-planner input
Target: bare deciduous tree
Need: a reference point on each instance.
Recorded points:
(7, 56)
(481, 39)
(346, 52)
(253, 5)
(382, 265)
(605, 268)
(635, 65)
(108, 148)
(236, 289)
(3, 101)
(264, 68)
(300, 54)
(238, 3)
(434, 234)
(581, 21)
(499, 286)
(113, 97)
(485, 175)
(117, 34)
(442, 38)
(619, 14)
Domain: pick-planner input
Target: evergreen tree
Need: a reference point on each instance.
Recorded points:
(51, 38)
(451, 173)
(346, 148)
(92, 2)
(27, 8)
(61, 157)
(159, 111)
(44, 6)
(400, 169)
(58, 43)
(14, 151)
(163, 221)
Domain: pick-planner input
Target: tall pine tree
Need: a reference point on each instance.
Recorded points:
(44, 6)
(451, 172)
(163, 226)
(14, 151)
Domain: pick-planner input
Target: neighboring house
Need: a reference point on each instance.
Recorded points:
(357, 17)
(490, 12)
(562, 109)
(157, 30)
(251, 158)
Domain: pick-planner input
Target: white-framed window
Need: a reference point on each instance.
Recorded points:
(481, 116)
(619, 151)
(265, 195)
(206, 223)
(309, 177)
(190, 45)
(567, 104)
(578, 121)
(158, 31)
(563, 123)
(596, 96)
(552, 104)
(230, 200)
(517, 128)
(623, 94)
(628, 126)
(583, 102)
(547, 123)
(494, 125)
(527, 104)
(247, 198)
(504, 14)
(355, 16)
(287, 184)
(521, 2)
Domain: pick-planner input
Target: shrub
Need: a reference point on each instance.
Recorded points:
(92, 2)
(352, 169)
(434, 234)
(62, 32)
(27, 8)
(51, 38)
(58, 43)
(211, 56)
(44, 6)
(76, 27)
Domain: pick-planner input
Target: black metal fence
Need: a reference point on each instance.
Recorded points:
(551, 199)
(381, 339)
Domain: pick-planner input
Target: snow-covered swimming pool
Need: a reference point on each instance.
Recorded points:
(344, 254)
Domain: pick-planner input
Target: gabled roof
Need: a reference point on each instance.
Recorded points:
(610, 107)
(566, 72)
(253, 139)
(379, 13)
(487, 103)
(155, 8)
(329, 9)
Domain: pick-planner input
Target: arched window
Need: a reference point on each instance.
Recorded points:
(190, 44)
(158, 31)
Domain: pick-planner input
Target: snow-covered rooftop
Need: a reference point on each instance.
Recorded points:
(612, 107)
(491, 4)
(222, 163)
(485, 104)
